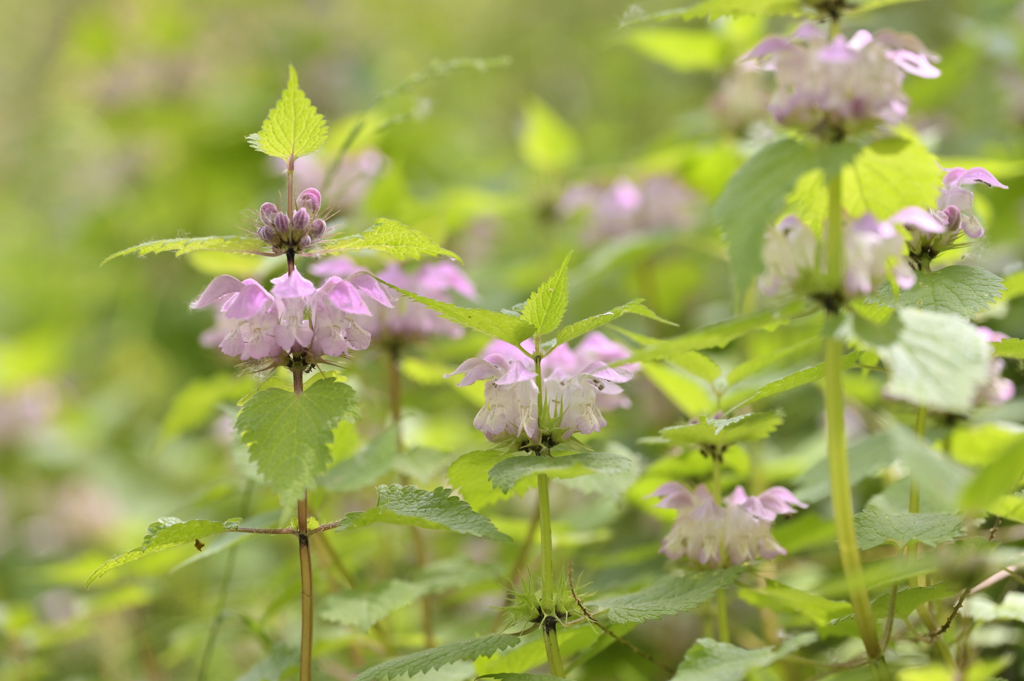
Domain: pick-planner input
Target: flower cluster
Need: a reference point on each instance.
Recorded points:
(408, 320)
(832, 87)
(578, 385)
(296, 232)
(715, 535)
(625, 207)
(954, 213)
(793, 259)
(294, 317)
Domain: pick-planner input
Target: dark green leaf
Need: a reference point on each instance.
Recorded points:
(435, 658)
(875, 528)
(669, 595)
(958, 289)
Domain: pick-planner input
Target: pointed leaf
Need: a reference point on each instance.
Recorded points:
(577, 329)
(724, 432)
(288, 434)
(669, 595)
(507, 473)
(798, 379)
(386, 236)
(546, 306)
(227, 244)
(506, 327)
(437, 510)
(1011, 348)
(470, 476)
(435, 658)
(362, 608)
(875, 528)
(958, 289)
(709, 660)
(293, 128)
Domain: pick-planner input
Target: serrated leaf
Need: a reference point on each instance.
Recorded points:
(709, 660)
(293, 128)
(724, 432)
(435, 658)
(875, 528)
(751, 201)
(717, 335)
(386, 236)
(520, 677)
(531, 654)
(937, 361)
(165, 533)
(1011, 348)
(470, 475)
(437, 510)
(506, 327)
(183, 245)
(288, 434)
(546, 306)
(273, 667)
(366, 467)
(577, 329)
(668, 595)
(507, 473)
(547, 143)
(362, 608)
(959, 289)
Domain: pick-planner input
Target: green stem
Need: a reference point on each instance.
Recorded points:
(305, 562)
(723, 605)
(838, 465)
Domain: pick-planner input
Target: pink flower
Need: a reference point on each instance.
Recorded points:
(625, 207)
(256, 324)
(715, 535)
(838, 85)
(999, 389)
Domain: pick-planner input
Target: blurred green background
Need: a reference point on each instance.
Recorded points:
(124, 121)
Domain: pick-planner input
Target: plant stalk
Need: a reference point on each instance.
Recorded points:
(547, 598)
(305, 563)
(838, 464)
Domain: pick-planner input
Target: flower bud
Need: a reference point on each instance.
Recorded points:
(310, 200)
(317, 228)
(305, 242)
(266, 232)
(268, 212)
(300, 220)
(281, 223)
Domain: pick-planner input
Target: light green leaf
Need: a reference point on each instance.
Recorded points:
(681, 49)
(1011, 348)
(181, 246)
(273, 667)
(437, 510)
(546, 306)
(470, 475)
(699, 365)
(866, 457)
(386, 236)
(787, 354)
(435, 658)
(875, 529)
(715, 9)
(690, 396)
(941, 480)
(520, 677)
(798, 379)
(293, 128)
(366, 467)
(506, 327)
(724, 432)
(165, 533)
(196, 404)
(668, 595)
(288, 434)
(937, 360)
(783, 599)
(983, 609)
(362, 608)
(577, 329)
(999, 477)
(751, 201)
(959, 289)
(709, 660)
(507, 473)
(547, 143)
(717, 335)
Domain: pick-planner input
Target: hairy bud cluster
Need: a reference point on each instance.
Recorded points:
(295, 232)
(715, 535)
(834, 86)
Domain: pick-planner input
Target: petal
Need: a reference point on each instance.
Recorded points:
(914, 63)
(371, 288)
(980, 175)
(344, 296)
(218, 288)
(336, 267)
(250, 301)
(292, 285)
(917, 217)
(768, 46)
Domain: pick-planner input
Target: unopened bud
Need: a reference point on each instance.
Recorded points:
(268, 212)
(952, 218)
(266, 232)
(310, 200)
(281, 223)
(317, 228)
(305, 242)
(300, 220)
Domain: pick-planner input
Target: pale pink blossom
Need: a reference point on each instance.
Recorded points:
(627, 207)
(998, 389)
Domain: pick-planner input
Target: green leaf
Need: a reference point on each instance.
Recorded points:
(941, 481)
(437, 510)
(470, 474)
(547, 143)
(577, 329)
(999, 477)
(751, 201)
(273, 667)
(668, 595)
(937, 361)
(959, 289)
(709, 660)
(362, 608)
(165, 533)
(1011, 348)
(508, 472)
(546, 306)
(715, 9)
(866, 457)
(506, 327)
(690, 396)
(386, 236)
(435, 658)
(366, 467)
(717, 335)
(981, 608)
(181, 246)
(686, 50)
(699, 365)
(787, 354)
(875, 528)
(798, 379)
(288, 434)
(781, 598)
(724, 432)
(197, 403)
(520, 677)
(293, 128)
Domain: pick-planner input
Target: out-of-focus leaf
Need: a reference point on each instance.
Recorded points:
(197, 402)
(709, 660)
(958, 289)
(293, 128)
(667, 596)
(724, 432)
(999, 477)
(362, 608)
(680, 49)
(690, 396)
(781, 598)
(875, 528)
(386, 236)
(509, 328)
(547, 143)
(715, 9)
(366, 467)
(1011, 348)
(506, 474)
(281, 659)
(183, 245)
(546, 306)
(435, 658)
(470, 474)
(866, 457)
